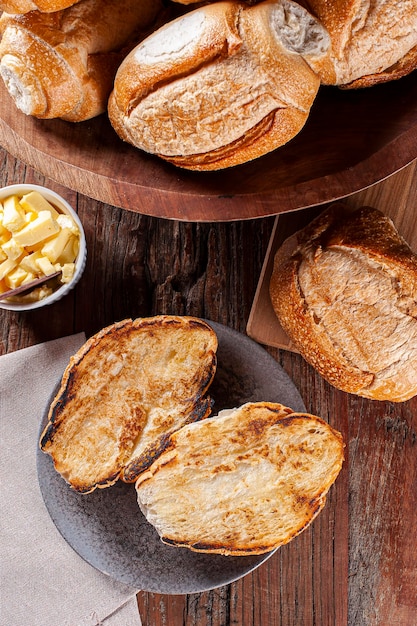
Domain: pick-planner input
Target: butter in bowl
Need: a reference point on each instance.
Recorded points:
(42, 240)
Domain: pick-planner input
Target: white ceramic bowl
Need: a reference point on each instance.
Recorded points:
(62, 205)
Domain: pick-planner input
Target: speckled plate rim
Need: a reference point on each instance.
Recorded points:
(107, 529)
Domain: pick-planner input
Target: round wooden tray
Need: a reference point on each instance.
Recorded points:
(351, 140)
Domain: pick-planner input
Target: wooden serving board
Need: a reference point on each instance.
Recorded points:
(396, 197)
(351, 140)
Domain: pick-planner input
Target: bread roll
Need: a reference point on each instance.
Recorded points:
(244, 482)
(62, 64)
(45, 6)
(123, 393)
(346, 295)
(221, 85)
(372, 42)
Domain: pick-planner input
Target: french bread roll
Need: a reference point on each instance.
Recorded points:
(372, 42)
(45, 6)
(221, 85)
(124, 392)
(62, 64)
(345, 292)
(244, 482)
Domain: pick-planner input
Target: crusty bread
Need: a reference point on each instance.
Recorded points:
(221, 85)
(62, 64)
(244, 482)
(123, 393)
(346, 295)
(24, 6)
(372, 42)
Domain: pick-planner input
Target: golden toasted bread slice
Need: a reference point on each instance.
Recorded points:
(242, 483)
(123, 393)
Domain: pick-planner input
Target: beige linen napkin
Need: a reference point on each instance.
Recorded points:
(43, 581)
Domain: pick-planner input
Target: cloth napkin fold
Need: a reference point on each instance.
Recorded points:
(43, 581)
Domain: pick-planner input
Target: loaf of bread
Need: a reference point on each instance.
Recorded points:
(45, 6)
(372, 42)
(220, 85)
(62, 64)
(345, 292)
(244, 482)
(124, 392)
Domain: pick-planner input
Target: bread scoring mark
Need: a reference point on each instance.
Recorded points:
(262, 128)
(168, 43)
(379, 288)
(176, 46)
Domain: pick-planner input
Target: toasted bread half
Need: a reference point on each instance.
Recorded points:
(243, 482)
(124, 392)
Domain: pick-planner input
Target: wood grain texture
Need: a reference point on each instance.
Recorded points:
(352, 139)
(356, 564)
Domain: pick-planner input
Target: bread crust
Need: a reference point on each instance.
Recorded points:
(242, 483)
(403, 67)
(236, 84)
(372, 42)
(62, 64)
(325, 294)
(45, 6)
(127, 388)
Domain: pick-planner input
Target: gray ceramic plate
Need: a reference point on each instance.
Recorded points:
(106, 527)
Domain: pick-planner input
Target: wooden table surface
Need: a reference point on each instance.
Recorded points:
(356, 564)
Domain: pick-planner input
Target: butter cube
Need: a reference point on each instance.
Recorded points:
(70, 252)
(3, 229)
(43, 227)
(30, 216)
(66, 221)
(29, 278)
(45, 265)
(54, 247)
(34, 201)
(5, 236)
(6, 267)
(29, 262)
(12, 249)
(68, 270)
(13, 214)
(15, 278)
(3, 255)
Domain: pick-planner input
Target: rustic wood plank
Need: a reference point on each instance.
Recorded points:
(356, 564)
(383, 497)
